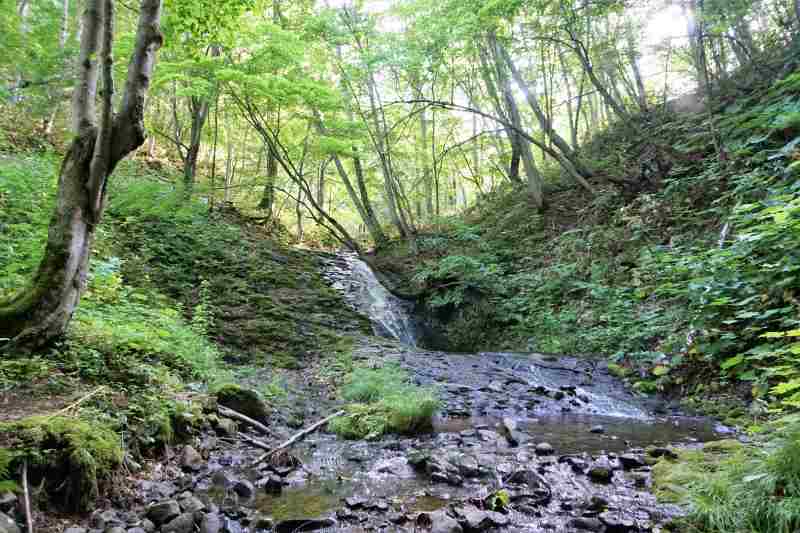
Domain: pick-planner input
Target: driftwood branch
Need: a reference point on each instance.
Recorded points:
(296, 437)
(255, 442)
(27, 497)
(235, 415)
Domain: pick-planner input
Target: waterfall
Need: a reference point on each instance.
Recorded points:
(389, 314)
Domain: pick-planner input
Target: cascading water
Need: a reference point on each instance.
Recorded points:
(389, 314)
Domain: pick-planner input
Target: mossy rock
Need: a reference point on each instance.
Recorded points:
(245, 401)
(70, 456)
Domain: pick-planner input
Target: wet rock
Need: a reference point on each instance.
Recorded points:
(271, 484)
(467, 466)
(223, 479)
(148, 525)
(115, 529)
(640, 479)
(597, 503)
(8, 501)
(616, 524)
(136, 530)
(191, 459)
(163, 512)
(182, 524)
(441, 470)
(439, 522)
(225, 427)
(7, 525)
(577, 464)
(191, 504)
(474, 520)
(262, 523)
(246, 401)
(244, 489)
(597, 429)
(355, 502)
(658, 451)
(631, 461)
(586, 524)
(418, 459)
(601, 471)
(312, 524)
(157, 490)
(211, 523)
(231, 526)
(397, 466)
(74, 529)
(544, 448)
(105, 519)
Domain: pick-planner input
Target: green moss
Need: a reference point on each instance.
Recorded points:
(73, 457)
(246, 401)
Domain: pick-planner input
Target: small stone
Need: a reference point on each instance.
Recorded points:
(182, 524)
(658, 451)
(191, 459)
(148, 526)
(163, 512)
(544, 448)
(244, 489)
(616, 524)
(136, 530)
(115, 529)
(211, 524)
(74, 529)
(597, 429)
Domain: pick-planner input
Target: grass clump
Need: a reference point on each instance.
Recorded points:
(71, 457)
(385, 401)
(742, 489)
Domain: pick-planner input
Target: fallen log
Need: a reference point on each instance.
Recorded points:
(227, 412)
(296, 437)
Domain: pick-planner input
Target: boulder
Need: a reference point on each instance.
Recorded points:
(163, 512)
(211, 523)
(181, 524)
(246, 401)
(191, 459)
(544, 448)
(439, 522)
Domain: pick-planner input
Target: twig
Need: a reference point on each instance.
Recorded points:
(26, 496)
(235, 415)
(297, 437)
(76, 404)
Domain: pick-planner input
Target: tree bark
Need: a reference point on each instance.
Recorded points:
(41, 313)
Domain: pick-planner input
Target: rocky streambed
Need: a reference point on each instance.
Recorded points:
(523, 442)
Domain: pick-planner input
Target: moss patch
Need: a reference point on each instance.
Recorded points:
(73, 457)
(245, 401)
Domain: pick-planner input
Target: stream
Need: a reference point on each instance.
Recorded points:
(564, 438)
(523, 442)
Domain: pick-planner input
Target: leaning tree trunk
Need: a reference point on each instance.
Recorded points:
(40, 313)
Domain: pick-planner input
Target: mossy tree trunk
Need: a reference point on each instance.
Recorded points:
(40, 313)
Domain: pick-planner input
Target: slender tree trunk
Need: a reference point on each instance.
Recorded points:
(40, 313)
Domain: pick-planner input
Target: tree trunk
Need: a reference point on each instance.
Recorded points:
(41, 313)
